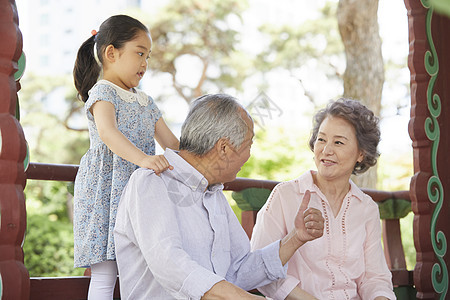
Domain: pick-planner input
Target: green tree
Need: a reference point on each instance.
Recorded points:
(48, 247)
(203, 31)
(278, 154)
(290, 47)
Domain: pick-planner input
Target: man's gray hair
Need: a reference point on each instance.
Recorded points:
(210, 118)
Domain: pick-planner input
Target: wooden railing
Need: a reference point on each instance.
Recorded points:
(76, 287)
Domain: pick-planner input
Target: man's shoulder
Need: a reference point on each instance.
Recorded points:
(141, 173)
(143, 185)
(146, 178)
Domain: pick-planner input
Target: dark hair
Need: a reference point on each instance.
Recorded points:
(365, 124)
(116, 31)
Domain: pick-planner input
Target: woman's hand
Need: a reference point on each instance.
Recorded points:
(157, 163)
(309, 222)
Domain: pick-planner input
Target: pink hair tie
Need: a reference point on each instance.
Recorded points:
(94, 32)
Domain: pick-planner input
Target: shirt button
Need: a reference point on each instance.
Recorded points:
(203, 182)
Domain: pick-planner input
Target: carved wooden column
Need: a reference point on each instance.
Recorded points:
(429, 128)
(14, 281)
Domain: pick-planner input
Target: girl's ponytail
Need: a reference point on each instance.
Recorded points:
(86, 70)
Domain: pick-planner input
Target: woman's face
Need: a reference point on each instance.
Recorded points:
(336, 149)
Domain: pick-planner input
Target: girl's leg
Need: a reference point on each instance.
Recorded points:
(103, 280)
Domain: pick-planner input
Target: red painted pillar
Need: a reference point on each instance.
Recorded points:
(421, 148)
(14, 281)
(429, 128)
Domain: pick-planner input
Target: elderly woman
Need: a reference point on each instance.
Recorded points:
(347, 262)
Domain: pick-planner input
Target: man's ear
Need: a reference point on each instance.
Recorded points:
(222, 147)
(110, 53)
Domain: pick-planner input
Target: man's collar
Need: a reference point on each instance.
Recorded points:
(187, 174)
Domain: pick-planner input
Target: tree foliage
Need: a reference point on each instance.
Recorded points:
(278, 155)
(291, 46)
(201, 30)
(48, 247)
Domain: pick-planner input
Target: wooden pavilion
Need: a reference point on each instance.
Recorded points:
(429, 128)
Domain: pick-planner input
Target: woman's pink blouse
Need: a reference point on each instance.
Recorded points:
(347, 262)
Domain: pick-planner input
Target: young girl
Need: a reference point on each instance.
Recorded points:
(123, 123)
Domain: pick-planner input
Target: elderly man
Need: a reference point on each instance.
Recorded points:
(176, 235)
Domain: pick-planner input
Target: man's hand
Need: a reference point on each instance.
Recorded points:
(308, 226)
(309, 221)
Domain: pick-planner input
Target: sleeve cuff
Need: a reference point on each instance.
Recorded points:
(199, 282)
(279, 290)
(286, 287)
(271, 257)
(388, 294)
